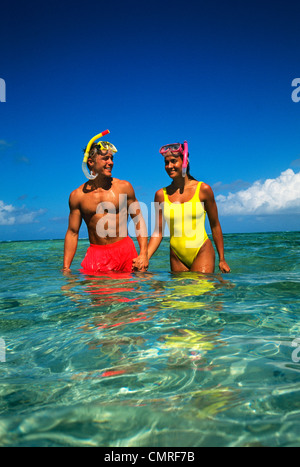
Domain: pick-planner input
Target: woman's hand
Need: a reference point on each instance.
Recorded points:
(223, 266)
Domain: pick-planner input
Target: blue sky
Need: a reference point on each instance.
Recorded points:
(217, 74)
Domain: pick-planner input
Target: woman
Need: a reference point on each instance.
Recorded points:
(184, 204)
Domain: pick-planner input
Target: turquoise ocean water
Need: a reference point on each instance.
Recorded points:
(154, 359)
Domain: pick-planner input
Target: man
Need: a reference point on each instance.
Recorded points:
(104, 203)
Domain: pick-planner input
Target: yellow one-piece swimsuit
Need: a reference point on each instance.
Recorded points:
(186, 223)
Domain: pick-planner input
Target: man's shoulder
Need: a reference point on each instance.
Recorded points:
(78, 191)
(119, 181)
(77, 194)
(123, 185)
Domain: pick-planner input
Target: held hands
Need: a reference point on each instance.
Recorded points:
(65, 270)
(141, 263)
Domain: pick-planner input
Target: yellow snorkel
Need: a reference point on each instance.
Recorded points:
(86, 156)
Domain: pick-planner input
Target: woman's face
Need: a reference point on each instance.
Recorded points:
(173, 165)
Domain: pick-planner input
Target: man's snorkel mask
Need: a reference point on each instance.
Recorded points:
(104, 145)
(177, 148)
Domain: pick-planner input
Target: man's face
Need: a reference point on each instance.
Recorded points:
(103, 163)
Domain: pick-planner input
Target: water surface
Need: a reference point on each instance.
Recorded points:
(155, 359)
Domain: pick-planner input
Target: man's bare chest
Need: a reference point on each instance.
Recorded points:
(101, 202)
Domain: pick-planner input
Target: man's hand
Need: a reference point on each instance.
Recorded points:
(224, 266)
(140, 263)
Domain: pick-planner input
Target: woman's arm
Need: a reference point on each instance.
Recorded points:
(210, 206)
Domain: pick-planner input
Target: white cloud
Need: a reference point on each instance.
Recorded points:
(273, 196)
(10, 215)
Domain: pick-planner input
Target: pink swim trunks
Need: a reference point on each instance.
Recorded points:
(116, 256)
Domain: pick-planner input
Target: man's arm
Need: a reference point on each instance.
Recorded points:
(212, 212)
(71, 238)
(141, 262)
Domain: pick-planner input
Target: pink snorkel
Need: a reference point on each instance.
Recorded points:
(185, 158)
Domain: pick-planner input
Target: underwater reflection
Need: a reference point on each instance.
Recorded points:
(103, 289)
(151, 328)
(194, 291)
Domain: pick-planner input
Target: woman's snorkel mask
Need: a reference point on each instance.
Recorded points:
(175, 149)
(104, 145)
